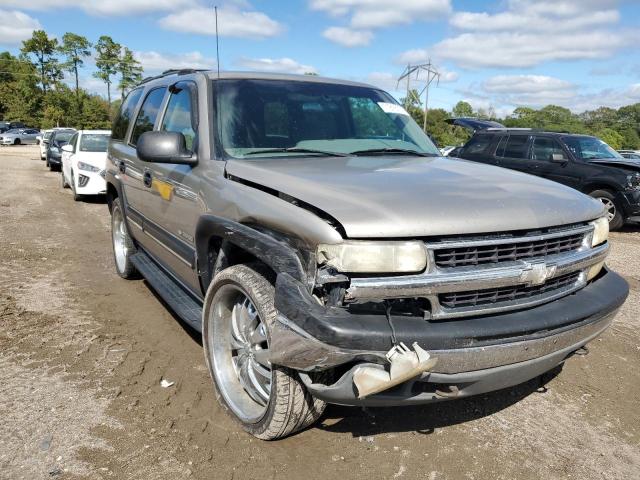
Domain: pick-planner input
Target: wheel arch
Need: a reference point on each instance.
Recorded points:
(221, 243)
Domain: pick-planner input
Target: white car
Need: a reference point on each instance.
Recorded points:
(84, 161)
(44, 144)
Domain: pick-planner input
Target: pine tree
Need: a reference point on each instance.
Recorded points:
(107, 59)
(130, 71)
(44, 50)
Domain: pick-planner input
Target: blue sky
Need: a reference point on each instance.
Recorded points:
(495, 54)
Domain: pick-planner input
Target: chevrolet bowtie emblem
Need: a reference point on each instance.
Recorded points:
(538, 273)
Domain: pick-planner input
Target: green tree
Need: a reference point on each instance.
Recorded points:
(130, 71)
(611, 137)
(20, 96)
(43, 49)
(75, 49)
(462, 109)
(107, 58)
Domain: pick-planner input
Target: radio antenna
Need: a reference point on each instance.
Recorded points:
(215, 9)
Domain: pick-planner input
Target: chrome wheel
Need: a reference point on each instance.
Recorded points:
(239, 352)
(609, 206)
(119, 233)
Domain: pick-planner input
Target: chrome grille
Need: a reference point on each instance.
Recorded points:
(515, 293)
(467, 256)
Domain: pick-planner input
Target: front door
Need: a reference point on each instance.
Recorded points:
(173, 207)
(549, 160)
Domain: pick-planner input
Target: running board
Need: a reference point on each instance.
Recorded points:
(183, 304)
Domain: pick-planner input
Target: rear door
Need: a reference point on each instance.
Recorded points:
(513, 152)
(550, 160)
(138, 172)
(122, 158)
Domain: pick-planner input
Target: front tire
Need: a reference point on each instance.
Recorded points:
(123, 246)
(613, 210)
(76, 197)
(16, 141)
(269, 401)
(63, 180)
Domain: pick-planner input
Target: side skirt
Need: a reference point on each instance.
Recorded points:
(188, 308)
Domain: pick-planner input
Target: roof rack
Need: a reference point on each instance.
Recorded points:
(173, 71)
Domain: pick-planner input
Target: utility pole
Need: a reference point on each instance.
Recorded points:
(431, 73)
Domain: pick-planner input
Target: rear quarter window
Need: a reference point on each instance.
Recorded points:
(478, 144)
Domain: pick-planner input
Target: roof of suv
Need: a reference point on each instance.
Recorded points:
(213, 75)
(531, 131)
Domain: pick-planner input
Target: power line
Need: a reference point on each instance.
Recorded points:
(432, 74)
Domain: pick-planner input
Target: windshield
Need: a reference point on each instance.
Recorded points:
(94, 142)
(63, 137)
(589, 148)
(13, 130)
(263, 118)
(47, 135)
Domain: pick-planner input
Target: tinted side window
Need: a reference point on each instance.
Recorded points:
(516, 146)
(545, 148)
(501, 146)
(121, 123)
(179, 117)
(478, 144)
(148, 114)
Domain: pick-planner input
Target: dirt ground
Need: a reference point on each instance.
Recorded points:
(82, 354)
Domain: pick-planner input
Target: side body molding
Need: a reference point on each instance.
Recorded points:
(280, 257)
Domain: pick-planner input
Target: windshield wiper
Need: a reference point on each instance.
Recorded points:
(393, 150)
(296, 150)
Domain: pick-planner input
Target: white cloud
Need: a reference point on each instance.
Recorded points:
(155, 62)
(104, 7)
(532, 90)
(16, 26)
(525, 84)
(366, 15)
(518, 50)
(384, 80)
(275, 65)
(348, 37)
(232, 22)
(530, 32)
(383, 13)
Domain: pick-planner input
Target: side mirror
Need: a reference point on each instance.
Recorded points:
(46, 142)
(559, 158)
(165, 147)
(67, 148)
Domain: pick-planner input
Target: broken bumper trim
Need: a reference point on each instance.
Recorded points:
(309, 337)
(435, 387)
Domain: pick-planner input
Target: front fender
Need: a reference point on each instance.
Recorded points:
(280, 257)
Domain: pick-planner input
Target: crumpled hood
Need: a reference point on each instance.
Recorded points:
(618, 162)
(398, 196)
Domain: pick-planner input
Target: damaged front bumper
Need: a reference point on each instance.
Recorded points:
(475, 355)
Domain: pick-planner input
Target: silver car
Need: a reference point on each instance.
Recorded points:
(19, 136)
(328, 253)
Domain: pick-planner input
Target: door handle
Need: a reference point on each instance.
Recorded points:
(146, 179)
(122, 167)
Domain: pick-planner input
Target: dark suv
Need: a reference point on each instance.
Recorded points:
(583, 162)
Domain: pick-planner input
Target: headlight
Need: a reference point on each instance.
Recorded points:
(374, 257)
(87, 168)
(54, 149)
(600, 231)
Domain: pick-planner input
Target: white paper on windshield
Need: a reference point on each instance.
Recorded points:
(392, 108)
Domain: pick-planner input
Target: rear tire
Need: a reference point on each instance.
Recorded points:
(122, 243)
(285, 406)
(613, 210)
